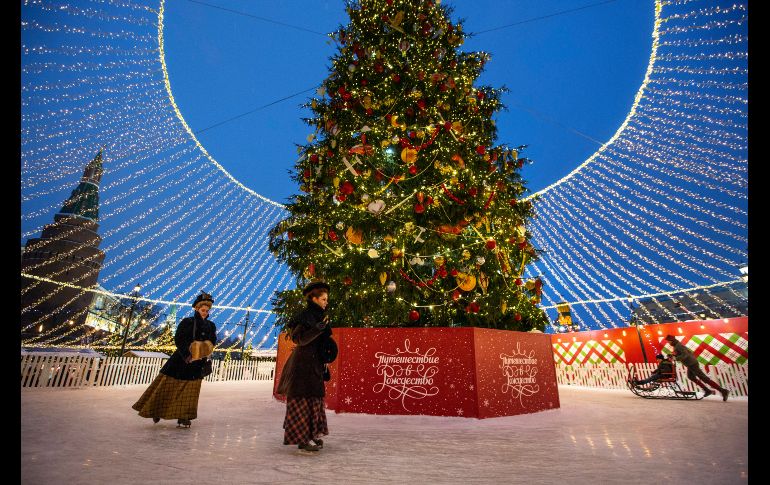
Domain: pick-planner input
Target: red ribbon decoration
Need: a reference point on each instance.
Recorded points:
(405, 143)
(419, 283)
(489, 200)
(451, 195)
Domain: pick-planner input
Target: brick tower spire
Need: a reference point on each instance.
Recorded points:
(67, 252)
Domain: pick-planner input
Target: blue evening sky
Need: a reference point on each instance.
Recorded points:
(572, 76)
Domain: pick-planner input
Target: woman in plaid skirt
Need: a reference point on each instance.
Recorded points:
(174, 392)
(302, 379)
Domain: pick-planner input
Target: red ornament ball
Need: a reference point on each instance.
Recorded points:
(519, 282)
(314, 158)
(453, 272)
(517, 317)
(369, 111)
(346, 188)
(396, 78)
(419, 208)
(456, 294)
(513, 202)
(414, 315)
(364, 82)
(491, 244)
(481, 149)
(413, 169)
(347, 281)
(332, 235)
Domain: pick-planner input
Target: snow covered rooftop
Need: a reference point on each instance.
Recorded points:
(144, 353)
(61, 352)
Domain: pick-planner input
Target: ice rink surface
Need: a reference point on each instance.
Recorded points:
(92, 436)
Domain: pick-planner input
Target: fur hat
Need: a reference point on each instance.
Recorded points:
(315, 285)
(203, 298)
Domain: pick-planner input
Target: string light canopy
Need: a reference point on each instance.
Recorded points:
(659, 210)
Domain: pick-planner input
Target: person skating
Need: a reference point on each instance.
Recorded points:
(302, 378)
(694, 372)
(175, 391)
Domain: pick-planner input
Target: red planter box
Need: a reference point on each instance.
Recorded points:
(470, 372)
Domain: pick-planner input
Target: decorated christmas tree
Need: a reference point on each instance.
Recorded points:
(408, 208)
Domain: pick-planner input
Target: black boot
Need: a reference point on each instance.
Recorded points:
(155, 420)
(183, 423)
(308, 447)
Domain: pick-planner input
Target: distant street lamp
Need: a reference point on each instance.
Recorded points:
(134, 295)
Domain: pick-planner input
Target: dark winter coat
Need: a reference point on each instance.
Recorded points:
(302, 375)
(665, 368)
(175, 366)
(685, 355)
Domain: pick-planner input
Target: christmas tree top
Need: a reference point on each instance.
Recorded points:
(408, 209)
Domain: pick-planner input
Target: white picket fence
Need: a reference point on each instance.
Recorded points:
(59, 371)
(734, 377)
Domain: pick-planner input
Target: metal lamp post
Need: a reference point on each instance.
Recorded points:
(245, 331)
(638, 332)
(134, 296)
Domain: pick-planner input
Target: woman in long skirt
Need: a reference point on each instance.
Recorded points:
(302, 378)
(174, 392)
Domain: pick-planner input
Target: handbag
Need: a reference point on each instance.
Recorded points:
(328, 350)
(206, 368)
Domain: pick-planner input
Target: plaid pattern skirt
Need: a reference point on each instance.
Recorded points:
(169, 398)
(305, 420)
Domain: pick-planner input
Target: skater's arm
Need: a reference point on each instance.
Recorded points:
(183, 338)
(308, 330)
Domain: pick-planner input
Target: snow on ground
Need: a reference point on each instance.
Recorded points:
(92, 436)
